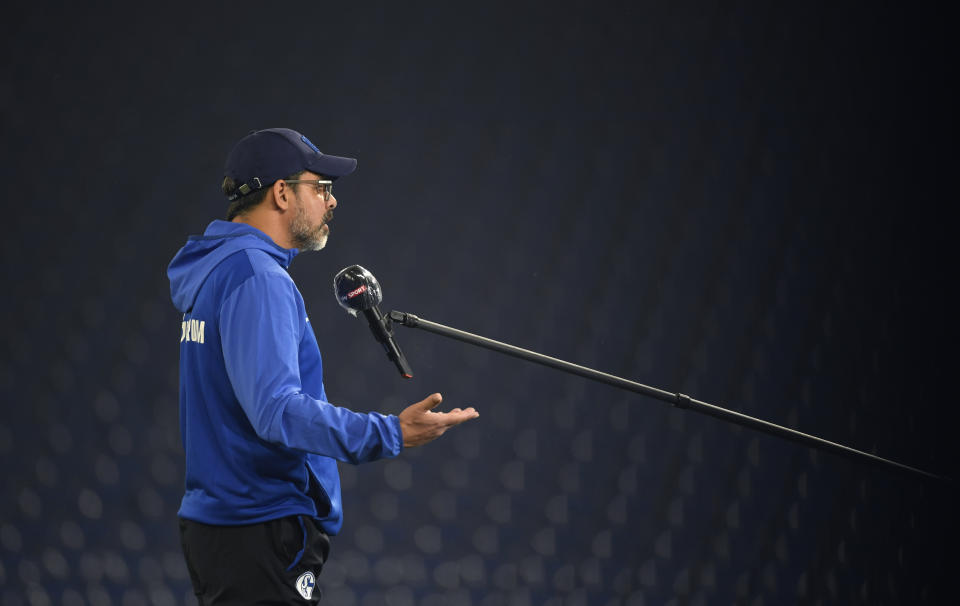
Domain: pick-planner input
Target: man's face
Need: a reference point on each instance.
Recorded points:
(309, 229)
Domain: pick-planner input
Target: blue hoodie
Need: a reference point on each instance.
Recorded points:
(261, 440)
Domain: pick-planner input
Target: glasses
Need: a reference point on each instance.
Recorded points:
(324, 188)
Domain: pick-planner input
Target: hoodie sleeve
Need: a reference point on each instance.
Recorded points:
(261, 327)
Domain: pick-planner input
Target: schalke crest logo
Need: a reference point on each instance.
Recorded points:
(305, 584)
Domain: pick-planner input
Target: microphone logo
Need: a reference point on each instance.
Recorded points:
(358, 291)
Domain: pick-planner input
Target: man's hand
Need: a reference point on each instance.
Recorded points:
(420, 424)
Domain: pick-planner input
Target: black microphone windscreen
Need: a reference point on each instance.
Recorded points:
(356, 289)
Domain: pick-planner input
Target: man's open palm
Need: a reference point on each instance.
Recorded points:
(420, 424)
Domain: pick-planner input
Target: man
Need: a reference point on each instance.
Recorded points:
(261, 441)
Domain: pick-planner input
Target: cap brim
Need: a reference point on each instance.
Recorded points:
(332, 166)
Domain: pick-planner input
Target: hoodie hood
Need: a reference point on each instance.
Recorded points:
(201, 254)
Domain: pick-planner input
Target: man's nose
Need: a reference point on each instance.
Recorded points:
(332, 202)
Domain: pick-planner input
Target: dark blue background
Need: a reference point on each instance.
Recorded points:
(747, 203)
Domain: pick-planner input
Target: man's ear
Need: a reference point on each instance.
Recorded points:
(281, 194)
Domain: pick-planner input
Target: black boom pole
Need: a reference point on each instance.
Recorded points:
(678, 400)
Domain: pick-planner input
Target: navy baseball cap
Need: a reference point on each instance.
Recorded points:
(265, 156)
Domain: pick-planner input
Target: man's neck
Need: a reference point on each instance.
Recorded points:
(270, 224)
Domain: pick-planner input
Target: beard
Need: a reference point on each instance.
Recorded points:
(305, 236)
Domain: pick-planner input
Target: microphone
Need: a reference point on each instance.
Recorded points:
(357, 290)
